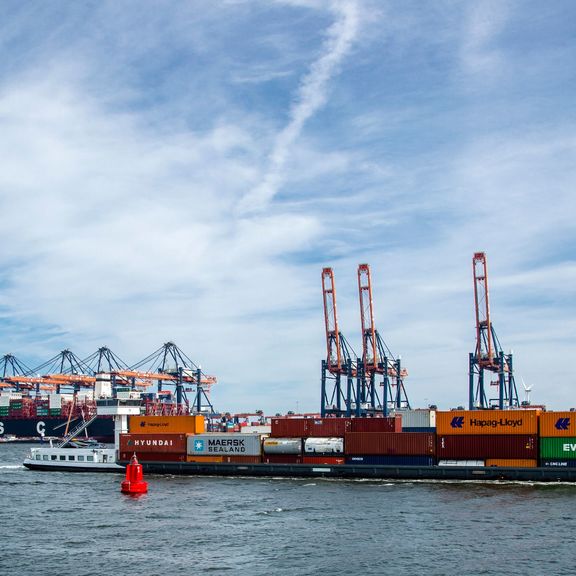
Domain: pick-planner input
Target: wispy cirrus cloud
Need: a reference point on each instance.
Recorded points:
(311, 96)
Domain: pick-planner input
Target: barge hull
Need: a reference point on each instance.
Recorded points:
(367, 472)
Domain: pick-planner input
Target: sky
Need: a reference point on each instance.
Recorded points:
(184, 170)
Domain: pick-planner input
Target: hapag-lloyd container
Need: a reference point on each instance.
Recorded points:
(224, 444)
(499, 462)
(282, 446)
(485, 422)
(390, 443)
(553, 424)
(389, 424)
(478, 447)
(153, 443)
(324, 446)
(558, 448)
(204, 459)
(166, 424)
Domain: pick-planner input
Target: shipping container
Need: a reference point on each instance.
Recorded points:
(480, 447)
(289, 427)
(282, 446)
(390, 443)
(419, 430)
(548, 463)
(328, 427)
(487, 422)
(204, 459)
(281, 459)
(558, 448)
(229, 443)
(166, 424)
(511, 463)
(256, 429)
(390, 424)
(418, 418)
(391, 460)
(165, 443)
(153, 456)
(330, 460)
(242, 459)
(557, 424)
(324, 445)
(465, 463)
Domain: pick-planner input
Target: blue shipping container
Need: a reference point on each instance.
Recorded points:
(416, 429)
(558, 463)
(391, 460)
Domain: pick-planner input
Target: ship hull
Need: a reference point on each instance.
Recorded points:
(365, 472)
(34, 428)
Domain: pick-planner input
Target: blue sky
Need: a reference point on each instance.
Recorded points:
(183, 171)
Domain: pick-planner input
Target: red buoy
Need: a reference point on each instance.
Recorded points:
(134, 483)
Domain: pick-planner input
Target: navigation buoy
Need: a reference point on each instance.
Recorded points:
(134, 483)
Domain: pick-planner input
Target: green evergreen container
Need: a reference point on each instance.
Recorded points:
(558, 448)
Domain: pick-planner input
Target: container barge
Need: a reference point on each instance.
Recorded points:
(509, 445)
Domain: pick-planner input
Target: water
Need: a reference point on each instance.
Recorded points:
(58, 523)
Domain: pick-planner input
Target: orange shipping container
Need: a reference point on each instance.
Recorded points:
(512, 463)
(554, 424)
(205, 459)
(167, 424)
(497, 422)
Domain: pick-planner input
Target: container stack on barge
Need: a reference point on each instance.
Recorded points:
(466, 445)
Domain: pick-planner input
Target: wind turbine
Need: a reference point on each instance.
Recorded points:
(527, 390)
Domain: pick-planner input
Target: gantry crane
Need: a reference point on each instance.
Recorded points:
(341, 361)
(377, 358)
(488, 356)
(170, 364)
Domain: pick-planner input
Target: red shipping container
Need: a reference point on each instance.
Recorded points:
(289, 427)
(323, 460)
(480, 447)
(389, 424)
(328, 427)
(390, 443)
(153, 456)
(157, 443)
(281, 459)
(242, 459)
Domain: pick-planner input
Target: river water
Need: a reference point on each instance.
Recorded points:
(59, 523)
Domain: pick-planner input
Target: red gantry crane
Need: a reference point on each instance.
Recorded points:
(488, 355)
(377, 358)
(341, 361)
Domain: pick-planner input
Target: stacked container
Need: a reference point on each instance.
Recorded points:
(419, 421)
(319, 440)
(159, 438)
(390, 448)
(494, 437)
(558, 439)
(224, 447)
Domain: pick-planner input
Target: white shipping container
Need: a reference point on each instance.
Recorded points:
(418, 418)
(324, 445)
(224, 444)
(256, 429)
(467, 463)
(5, 400)
(55, 401)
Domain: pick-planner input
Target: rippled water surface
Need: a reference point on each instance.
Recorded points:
(56, 523)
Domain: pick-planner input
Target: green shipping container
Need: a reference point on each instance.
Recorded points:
(558, 448)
